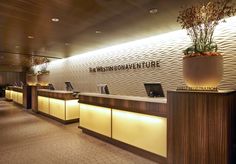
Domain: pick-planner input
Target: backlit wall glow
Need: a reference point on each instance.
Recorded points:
(166, 47)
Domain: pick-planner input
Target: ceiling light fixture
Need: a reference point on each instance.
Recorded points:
(98, 32)
(67, 44)
(153, 11)
(17, 46)
(30, 37)
(55, 19)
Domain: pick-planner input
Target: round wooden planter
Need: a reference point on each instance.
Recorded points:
(31, 79)
(203, 71)
(43, 79)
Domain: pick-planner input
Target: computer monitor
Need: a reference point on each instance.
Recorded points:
(21, 84)
(103, 89)
(51, 87)
(15, 84)
(154, 89)
(69, 86)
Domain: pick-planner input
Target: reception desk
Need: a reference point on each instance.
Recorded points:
(61, 105)
(15, 94)
(136, 123)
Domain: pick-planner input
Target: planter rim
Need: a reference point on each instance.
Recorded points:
(29, 74)
(202, 56)
(44, 73)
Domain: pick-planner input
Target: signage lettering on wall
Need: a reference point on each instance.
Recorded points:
(136, 65)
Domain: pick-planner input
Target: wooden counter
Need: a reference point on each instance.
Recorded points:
(144, 105)
(57, 94)
(201, 127)
(137, 123)
(61, 105)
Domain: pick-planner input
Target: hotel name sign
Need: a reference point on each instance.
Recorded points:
(131, 66)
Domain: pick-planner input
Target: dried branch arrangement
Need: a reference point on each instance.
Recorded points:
(33, 61)
(200, 22)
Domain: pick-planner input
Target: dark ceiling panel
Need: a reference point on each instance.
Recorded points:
(83, 26)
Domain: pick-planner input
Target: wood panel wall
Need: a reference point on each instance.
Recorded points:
(11, 77)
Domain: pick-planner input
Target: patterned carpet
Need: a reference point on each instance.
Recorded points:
(26, 138)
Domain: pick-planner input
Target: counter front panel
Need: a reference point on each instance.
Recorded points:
(19, 98)
(140, 130)
(72, 109)
(95, 118)
(58, 104)
(8, 94)
(43, 104)
(139, 122)
(57, 108)
(16, 94)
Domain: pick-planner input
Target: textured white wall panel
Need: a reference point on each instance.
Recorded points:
(166, 47)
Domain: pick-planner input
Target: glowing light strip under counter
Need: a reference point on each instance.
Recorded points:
(57, 108)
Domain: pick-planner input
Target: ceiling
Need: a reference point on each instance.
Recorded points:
(26, 26)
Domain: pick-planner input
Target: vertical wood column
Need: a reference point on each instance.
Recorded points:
(27, 97)
(201, 127)
(34, 98)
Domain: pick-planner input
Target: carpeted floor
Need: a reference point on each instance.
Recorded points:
(27, 138)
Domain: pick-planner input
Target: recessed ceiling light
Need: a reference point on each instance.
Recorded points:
(98, 32)
(30, 37)
(55, 19)
(153, 11)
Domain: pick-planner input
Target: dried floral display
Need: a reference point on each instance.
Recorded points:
(33, 61)
(200, 22)
(42, 62)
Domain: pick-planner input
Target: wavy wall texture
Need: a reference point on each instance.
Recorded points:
(166, 47)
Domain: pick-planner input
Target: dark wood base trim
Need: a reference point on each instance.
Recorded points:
(6, 99)
(35, 111)
(72, 121)
(133, 149)
(18, 104)
(58, 119)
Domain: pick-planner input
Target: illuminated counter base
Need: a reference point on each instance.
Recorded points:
(64, 110)
(15, 94)
(140, 130)
(95, 118)
(8, 94)
(139, 126)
